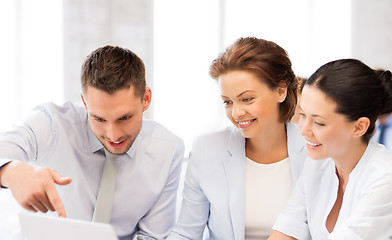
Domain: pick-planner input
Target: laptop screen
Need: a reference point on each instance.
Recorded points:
(43, 227)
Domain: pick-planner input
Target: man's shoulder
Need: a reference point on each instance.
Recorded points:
(69, 111)
(159, 142)
(154, 130)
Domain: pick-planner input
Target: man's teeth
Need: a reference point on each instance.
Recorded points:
(244, 122)
(313, 144)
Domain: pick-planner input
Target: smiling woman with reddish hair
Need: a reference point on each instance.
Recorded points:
(240, 178)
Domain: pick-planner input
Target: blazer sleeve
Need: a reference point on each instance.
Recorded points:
(195, 206)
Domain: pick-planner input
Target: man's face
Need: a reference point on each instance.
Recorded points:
(116, 119)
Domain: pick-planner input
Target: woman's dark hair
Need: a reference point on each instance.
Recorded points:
(358, 90)
(266, 60)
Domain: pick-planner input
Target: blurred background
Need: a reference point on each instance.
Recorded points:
(44, 43)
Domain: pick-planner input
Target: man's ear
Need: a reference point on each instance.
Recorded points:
(84, 102)
(361, 126)
(146, 99)
(282, 91)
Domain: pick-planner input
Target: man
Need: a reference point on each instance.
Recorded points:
(383, 133)
(69, 140)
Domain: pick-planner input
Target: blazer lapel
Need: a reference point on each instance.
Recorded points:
(234, 166)
(296, 149)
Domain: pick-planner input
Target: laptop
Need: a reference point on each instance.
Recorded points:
(44, 227)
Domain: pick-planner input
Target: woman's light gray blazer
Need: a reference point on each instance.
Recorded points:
(214, 187)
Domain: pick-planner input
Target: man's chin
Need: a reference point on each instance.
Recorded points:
(117, 151)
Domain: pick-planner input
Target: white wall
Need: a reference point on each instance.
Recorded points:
(177, 40)
(372, 32)
(90, 24)
(31, 70)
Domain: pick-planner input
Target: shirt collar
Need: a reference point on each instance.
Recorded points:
(366, 157)
(96, 145)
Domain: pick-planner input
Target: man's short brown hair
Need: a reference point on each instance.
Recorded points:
(111, 68)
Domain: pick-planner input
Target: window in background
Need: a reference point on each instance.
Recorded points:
(186, 40)
(8, 62)
(31, 72)
(313, 32)
(189, 35)
(31, 61)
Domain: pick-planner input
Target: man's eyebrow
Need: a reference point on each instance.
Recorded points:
(126, 115)
(94, 115)
(129, 114)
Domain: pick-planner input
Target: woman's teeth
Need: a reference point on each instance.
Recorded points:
(245, 122)
(313, 144)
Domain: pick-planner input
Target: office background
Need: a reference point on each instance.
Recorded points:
(44, 43)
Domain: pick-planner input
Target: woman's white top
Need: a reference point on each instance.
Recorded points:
(366, 211)
(268, 188)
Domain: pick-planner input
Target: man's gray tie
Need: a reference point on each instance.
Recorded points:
(103, 205)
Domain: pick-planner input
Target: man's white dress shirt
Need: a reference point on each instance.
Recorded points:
(60, 137)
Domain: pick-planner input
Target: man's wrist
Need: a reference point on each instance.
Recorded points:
(2, 171)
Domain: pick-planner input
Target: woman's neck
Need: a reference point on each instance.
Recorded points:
(347, 162)
(269, 146)
(344, 166)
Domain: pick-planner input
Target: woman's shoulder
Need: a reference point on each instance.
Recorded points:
(293, 131)
(379, 159)
(220, 135)
(227, 138)
(295, 141)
